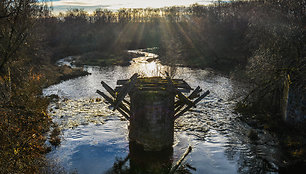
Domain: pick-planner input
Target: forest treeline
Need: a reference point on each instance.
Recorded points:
(25, 69)
(261, 42)
(215, 35)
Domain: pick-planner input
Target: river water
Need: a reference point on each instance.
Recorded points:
(95, 139)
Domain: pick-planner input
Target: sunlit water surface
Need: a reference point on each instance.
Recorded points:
(95, 139)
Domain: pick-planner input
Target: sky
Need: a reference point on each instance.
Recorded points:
(91, 5)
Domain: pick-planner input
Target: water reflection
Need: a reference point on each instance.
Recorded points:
(150, 162)
(92, 148)
(141, 161)
(147, 65)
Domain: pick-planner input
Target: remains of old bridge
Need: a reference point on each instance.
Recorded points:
(152, 108)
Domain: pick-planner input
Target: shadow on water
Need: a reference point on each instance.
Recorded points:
(95, 138)
(141, 161)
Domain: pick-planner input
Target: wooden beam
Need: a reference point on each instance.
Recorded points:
(193, 95)
(122, 106)
(189, 106)
(179, 83)
(118, 88)
(124, 91)
(179, 108)
(181, 96)
(121, 109)
(125, 115)
(112, 92)
(178, 105)
(107, 98)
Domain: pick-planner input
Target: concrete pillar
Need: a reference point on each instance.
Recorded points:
(151, 122)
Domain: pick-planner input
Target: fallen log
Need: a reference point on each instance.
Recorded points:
(179, 162)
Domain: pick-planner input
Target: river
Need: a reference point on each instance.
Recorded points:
(95, 139)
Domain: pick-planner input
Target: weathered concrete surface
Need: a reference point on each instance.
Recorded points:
(151, 122)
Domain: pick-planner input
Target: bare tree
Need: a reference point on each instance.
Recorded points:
(17, 17)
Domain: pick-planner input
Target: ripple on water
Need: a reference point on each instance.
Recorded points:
(94, 136)
(70, 113)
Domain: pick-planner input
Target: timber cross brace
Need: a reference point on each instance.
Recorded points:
(154, 104)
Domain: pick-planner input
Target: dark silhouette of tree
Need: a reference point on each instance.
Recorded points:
(16, 18)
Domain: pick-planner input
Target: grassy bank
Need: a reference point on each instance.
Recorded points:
(54, 74)
(104, 58)
(24, 122)
(23, 135)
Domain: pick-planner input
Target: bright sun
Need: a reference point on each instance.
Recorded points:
(91, 5)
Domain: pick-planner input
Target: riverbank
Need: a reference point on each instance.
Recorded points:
(55, 74)
(24, 123)
(291, 137)
(97, 58)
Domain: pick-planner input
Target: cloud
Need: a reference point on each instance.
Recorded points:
(77, 3)
(88, 5)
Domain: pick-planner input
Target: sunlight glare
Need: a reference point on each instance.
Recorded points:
(91, 5)
(146, 68)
